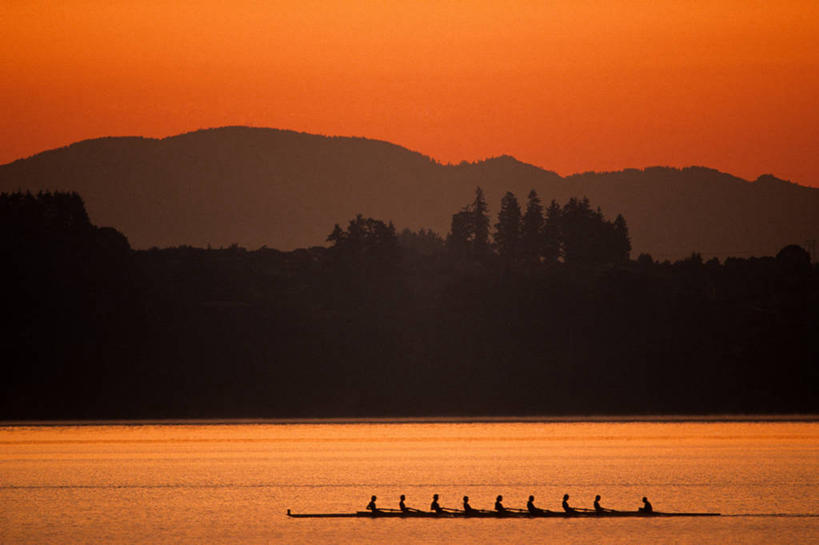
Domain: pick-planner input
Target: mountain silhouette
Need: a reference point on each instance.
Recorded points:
(284, 189)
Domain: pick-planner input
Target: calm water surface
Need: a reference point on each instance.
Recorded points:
(232, 483)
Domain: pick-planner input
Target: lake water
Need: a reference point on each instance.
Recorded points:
(231, 483)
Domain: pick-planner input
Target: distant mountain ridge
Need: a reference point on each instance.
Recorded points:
(285, 189)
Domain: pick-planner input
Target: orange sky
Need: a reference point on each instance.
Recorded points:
(567, 85)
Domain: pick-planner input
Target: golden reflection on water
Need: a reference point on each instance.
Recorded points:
(226, 483)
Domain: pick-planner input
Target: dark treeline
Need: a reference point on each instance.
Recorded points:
(574, 234)
(539, 310)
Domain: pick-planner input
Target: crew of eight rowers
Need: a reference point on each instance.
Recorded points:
(435, 507)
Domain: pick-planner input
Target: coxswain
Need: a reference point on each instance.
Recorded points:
(467, 508)
(499, 505)
(646, 508)
(401, 506)
(434, 506)
(597, 507)
(371, 506)
(530, 506)
(566, 506)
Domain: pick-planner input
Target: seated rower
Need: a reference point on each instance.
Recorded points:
(597, 507)
(401, 506)
(467, 508)
(499, 505)
(646, 508)
(530, 506)
(371, 506)
(566, 506)
(434, 506)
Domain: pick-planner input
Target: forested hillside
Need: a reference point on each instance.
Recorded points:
(498, 318)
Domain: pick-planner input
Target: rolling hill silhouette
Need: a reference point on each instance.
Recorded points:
(283, 189)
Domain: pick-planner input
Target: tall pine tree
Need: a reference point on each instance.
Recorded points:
(480, 225)
(531, 230)
(551, 248)
(508, 229)
(622, 241)
(461, 232)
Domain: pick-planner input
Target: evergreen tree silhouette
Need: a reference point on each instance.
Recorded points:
(424, 241)
(461, 233)
(469, 230)
(551, 248)
(508, 229)
(584, 233)
(622, 242)
(366, 241)
(532, 230)
(480, 225)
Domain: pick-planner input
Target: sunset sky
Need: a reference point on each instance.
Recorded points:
(567, 85)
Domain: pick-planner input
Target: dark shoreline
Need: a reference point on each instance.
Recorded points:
(601, 419)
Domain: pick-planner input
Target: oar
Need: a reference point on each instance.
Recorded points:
(540, 511)
(602, 510)
(474, 511)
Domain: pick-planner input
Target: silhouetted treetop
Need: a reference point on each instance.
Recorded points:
(469, 230)
(45, 211)
(588, 238)
(508, 229)
(31, 223)
(365, 240)
(575, 233)
(480, 224)
(532, 230)
(794, 257)
(423, 241)
(461, 233)
(552, 237)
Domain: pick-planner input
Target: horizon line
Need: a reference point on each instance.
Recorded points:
(428, 156)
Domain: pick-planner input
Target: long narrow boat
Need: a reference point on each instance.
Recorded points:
(494, 514)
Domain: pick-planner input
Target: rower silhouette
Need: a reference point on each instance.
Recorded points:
(646, 508)
(597, 507)
(467, 508)
(566, 506)
(371, 506)
(401, 505)
(530, 506)
(434, 506)
(499, 505)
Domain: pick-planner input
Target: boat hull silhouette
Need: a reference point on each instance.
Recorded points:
(495, 514)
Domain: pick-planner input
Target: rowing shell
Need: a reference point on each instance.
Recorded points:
(495, 514)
